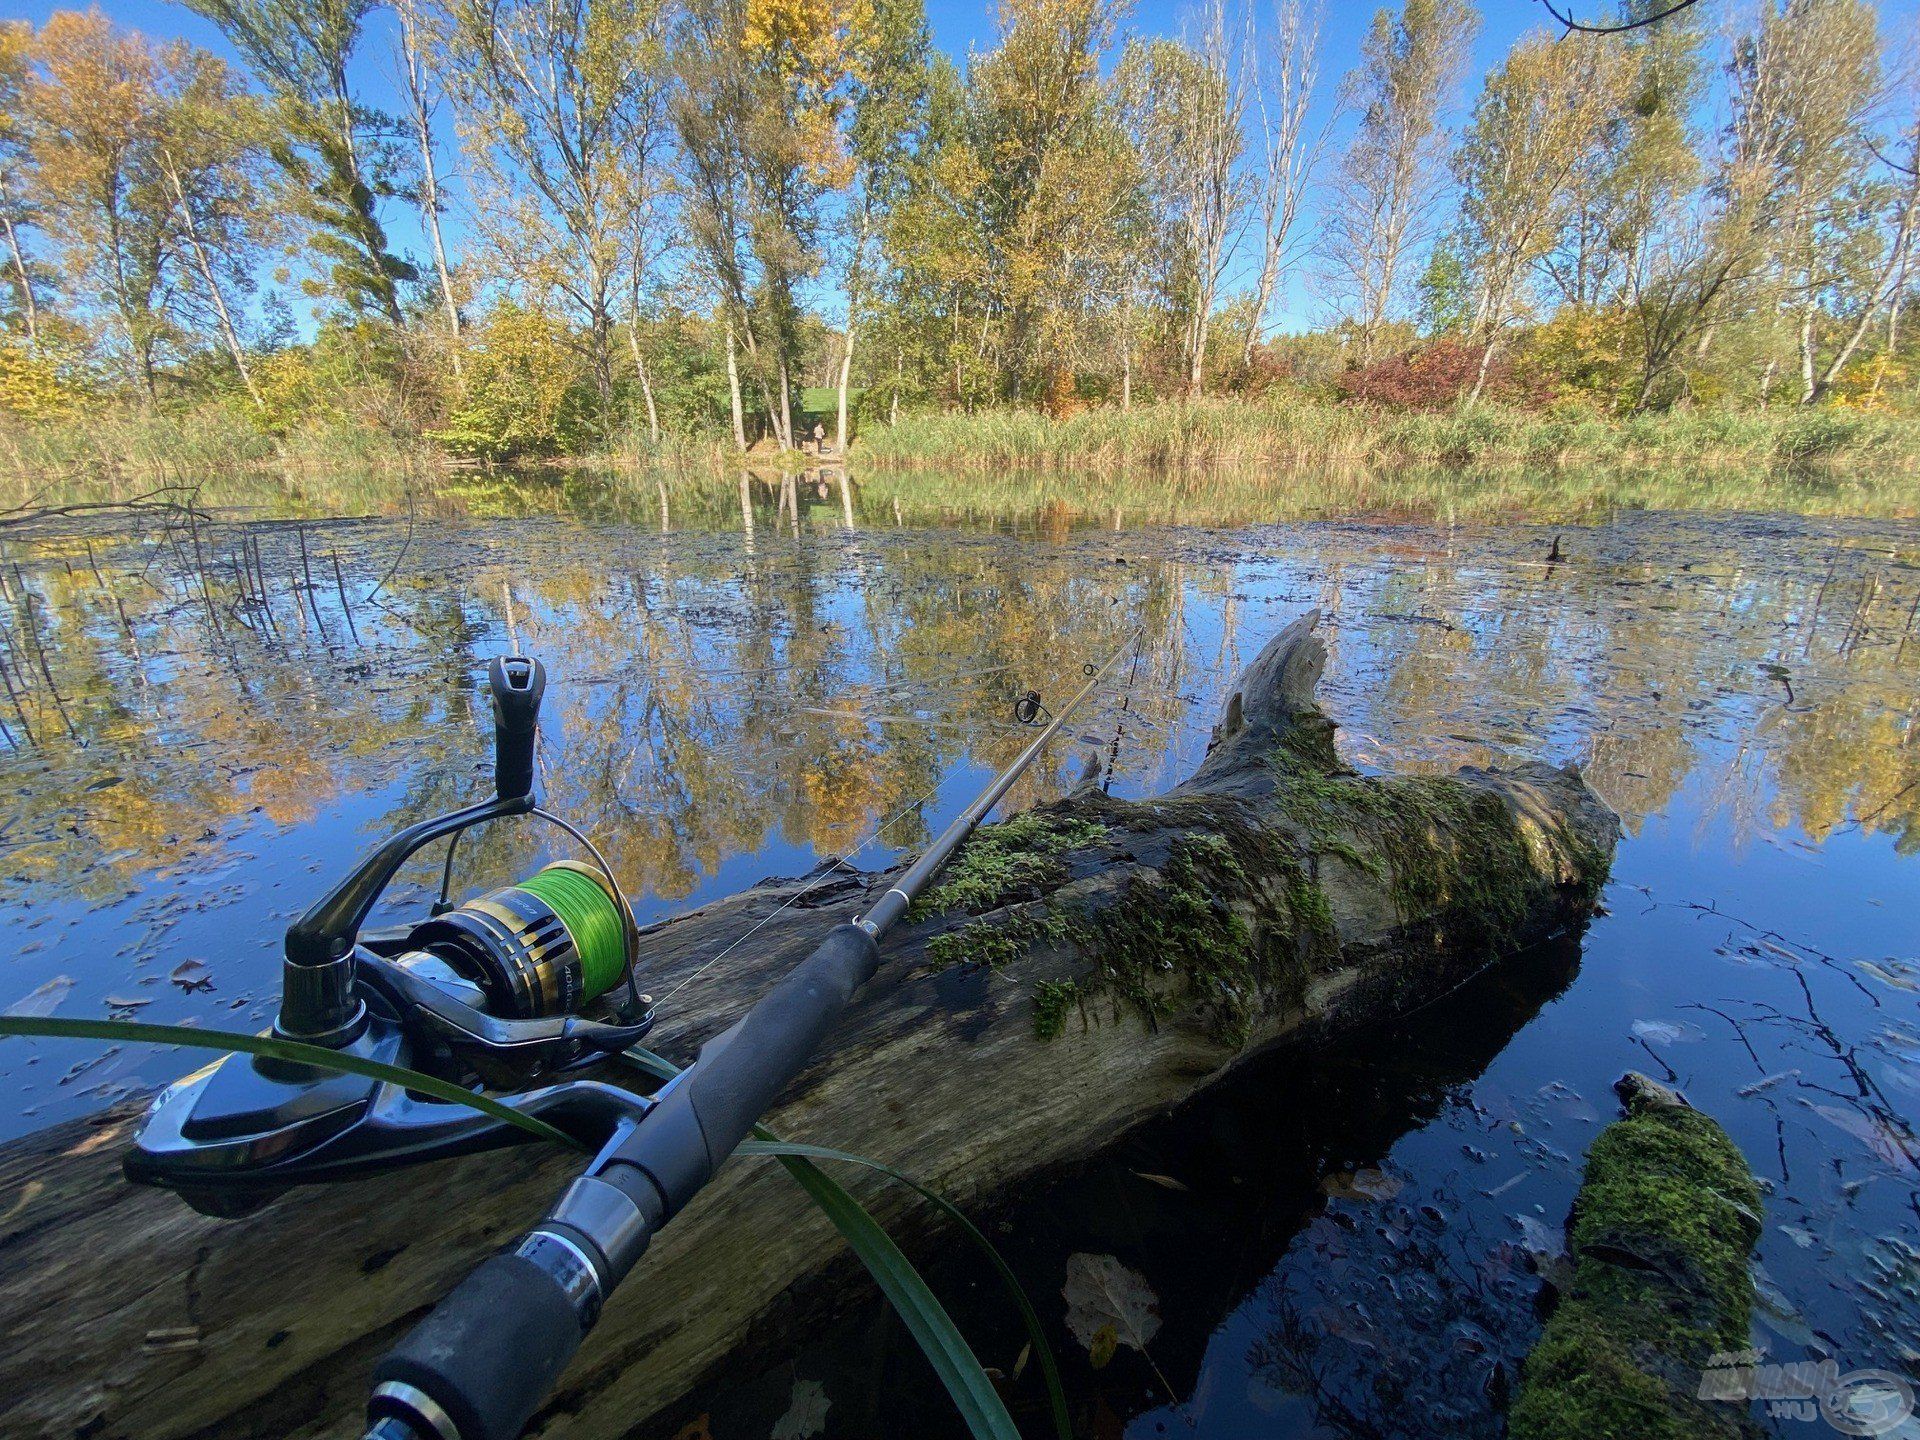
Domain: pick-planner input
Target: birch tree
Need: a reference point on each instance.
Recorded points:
(1804, 81)
(1540, 113)
(16, 173)
(1387, 192)
(1287, 73)
(561, 113)
(210, 151)
(1188, 102)
(413, 50)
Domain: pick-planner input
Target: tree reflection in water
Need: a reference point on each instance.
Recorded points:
(203, 720)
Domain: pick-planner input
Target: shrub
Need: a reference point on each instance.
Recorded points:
(1431, 378)
(526, 391)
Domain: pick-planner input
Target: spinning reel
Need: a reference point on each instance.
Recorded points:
(526, 983)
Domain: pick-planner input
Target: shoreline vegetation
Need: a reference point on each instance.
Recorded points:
(1220, 461)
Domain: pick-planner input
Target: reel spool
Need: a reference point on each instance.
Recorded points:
(546, 946)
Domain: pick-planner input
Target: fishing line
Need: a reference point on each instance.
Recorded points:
(820, 878)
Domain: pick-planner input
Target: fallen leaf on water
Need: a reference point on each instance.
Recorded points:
(1541, 1239)
(806, 1412)
(1103, 1295)
(1365, 1184)
(43, 1001)
(1766, 1082)
(1665, 1032)
(191, 975)
(1877, 1135)
(1897, 973)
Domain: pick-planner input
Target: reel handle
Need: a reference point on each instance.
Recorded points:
(517, 682)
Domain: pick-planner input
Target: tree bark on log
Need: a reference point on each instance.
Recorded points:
(1079, 968)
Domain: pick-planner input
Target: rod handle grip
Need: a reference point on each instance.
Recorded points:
(487, 1355)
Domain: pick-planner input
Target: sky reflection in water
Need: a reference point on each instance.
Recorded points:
(728, 705)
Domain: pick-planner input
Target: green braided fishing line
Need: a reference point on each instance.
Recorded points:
(591, 919)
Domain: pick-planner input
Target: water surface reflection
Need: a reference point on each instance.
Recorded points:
(204, 718)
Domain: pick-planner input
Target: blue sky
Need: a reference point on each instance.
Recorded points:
(961, 25)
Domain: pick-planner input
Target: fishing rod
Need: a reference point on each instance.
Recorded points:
(511, 992)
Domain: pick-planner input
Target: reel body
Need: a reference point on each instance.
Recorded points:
(523, 984)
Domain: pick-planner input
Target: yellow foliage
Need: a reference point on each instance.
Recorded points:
(32, 387)
(1877, 387)
(1582, 352)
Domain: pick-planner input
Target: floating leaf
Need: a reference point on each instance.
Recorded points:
(806, 1412)
(1543, 1241)
(1883, 1139)
(1896, 973)
(43, 1001)
(1165, 1182)
(1366, 1184)
(191, 975)
(1103, 1295)
(1666, 1032)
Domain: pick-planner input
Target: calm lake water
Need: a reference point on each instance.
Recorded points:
(202, 727)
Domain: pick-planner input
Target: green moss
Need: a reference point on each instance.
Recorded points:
(1450, 851)
(1051, 1000)
(995, 942)
(1017, 859)
(1661, 1231)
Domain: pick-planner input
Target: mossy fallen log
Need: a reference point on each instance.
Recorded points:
(1666, 1216)
(1079, 969)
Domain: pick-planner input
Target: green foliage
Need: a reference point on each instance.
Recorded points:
(527, 391)
(34, 386)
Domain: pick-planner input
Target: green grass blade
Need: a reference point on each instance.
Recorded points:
(926, 1319)
(134, 1032)
(794, 1154)
(1043, 1352)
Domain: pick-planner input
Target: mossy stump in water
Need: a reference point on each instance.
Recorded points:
(1667, 1214)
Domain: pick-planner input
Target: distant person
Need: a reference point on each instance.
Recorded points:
(819, 438)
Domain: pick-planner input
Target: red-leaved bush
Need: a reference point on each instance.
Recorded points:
(1430, 378)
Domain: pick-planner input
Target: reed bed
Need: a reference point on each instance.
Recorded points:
(1295, 434)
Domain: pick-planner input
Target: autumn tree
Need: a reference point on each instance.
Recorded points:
(885, 128)
(1804, 83)
(562, 112)
(1535, 122)
(1047, 143)
(1643, 163)
(331, 146)
(1386, 195)
(96, 114)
